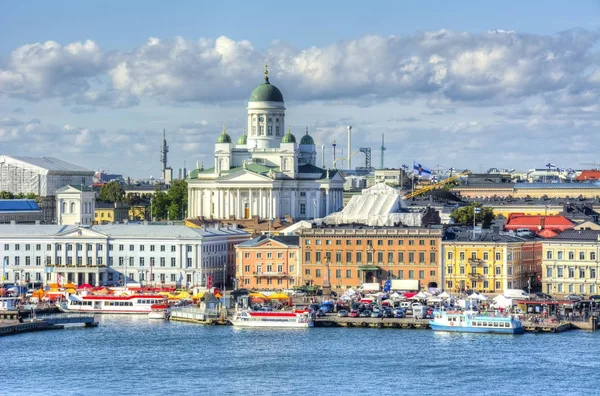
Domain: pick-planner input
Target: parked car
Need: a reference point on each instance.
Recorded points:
(543, 296)
(377, 314)
(354, 313)
(365, 314)
(343, 313)
(595, 298)
(388, 313)
(399, 314)
(574, 297)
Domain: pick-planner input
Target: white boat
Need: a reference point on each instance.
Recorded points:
(159, 311)
(471, 322)
(133, 304)
(288, 319)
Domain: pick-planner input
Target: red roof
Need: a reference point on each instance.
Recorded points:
(538, 223)
(589, 175)
(547, 233)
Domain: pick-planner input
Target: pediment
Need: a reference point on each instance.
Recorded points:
(245, 176)
(82, 232)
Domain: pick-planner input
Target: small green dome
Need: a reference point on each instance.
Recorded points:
(307, 139)
(289, 138)
(266, 92)
(224, 137)
(244, 138)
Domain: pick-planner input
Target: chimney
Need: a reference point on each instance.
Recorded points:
(542, 222)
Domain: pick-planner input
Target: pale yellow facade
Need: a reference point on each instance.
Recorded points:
(570, 267)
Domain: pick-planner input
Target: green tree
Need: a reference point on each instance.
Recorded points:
(6, 195)
(178, 197)
(465, 215)
(111, 192)
(160, 205)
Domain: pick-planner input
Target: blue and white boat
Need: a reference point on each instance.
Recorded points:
(471, 322)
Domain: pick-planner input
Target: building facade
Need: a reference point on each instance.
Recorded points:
(24, 211)
(75, 205)
(269, 263)
(490, 262)
(118, 254)
(111, 212)
(571, 264)
(358, 254)
(267, 173)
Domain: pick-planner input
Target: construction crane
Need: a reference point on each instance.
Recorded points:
(382, 150)
(435, 186)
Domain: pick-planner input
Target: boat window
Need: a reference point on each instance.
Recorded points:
(495, 324)
(138, 301)
(507, 324)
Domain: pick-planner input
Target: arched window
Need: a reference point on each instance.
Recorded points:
(72, 207)
(64, 207)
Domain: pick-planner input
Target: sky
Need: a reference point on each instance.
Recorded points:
(470, 84)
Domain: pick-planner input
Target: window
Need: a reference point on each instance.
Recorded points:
(38, 247)
(173, 262)
(258, 255)
(292, 255)
(280, 268)
(432, 258)
(461, 256)
(358, 242)
(269, 267)
(411, 257)
(6, 246)
(450, 255)
(348, 242)
(317, 241)
(400, 257)
(269, 255)
(279, 255)
(498, 256)
(348, 257)
(338, 257)
(307, 242)
(411, 274)
(559, 255)
(348, 274)
(142, 261)
(497, 285)
(486, 270)
(432, 242)
(358, 257)
(307, 271)
(401, 274)
(421, 242)
(291, 269)
(560, 272)
(121, 260)
(509, 270)
(390, 257)
(318, 273)
(317, 257)
(592, 255)
(307, 257)
(380, 257)
(379, 242)
(498, 270)
(38, 260)
(189, 248)
(162, 248)
(592, 273)
(400, 242)
(421, 274)
(338, 274)
(390, 242)
(131, 261)
(571, 255)
(548, 254)
(27, 260)
(421, 257)
(173, 248)
(411, 242)
(462, 270)
(581, 272)
(152, 248)
(486, 256)
(27, 246)
(131, 248)
(571, 272)
(328, 242)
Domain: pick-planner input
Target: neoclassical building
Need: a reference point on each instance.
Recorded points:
(267, 173)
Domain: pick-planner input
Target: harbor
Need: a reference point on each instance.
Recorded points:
(45, 323)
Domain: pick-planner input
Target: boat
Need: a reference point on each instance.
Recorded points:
(159, 311)
(132, 304)
(471, 322)
(273, 319)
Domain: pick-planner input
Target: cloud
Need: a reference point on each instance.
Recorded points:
(10, 122)
(443, 66)
(82, 109)
(19, 110)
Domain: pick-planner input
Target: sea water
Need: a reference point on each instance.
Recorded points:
(131, 355)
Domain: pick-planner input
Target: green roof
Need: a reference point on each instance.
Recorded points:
(307, 139)
(266, 92)
(224, 137)
(80, 187)
(289, 138)
(368, 268)
(243, 139)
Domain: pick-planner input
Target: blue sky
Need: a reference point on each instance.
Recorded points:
(420, 72)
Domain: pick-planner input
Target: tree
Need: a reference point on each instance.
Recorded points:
(160, 205)
(465, 215)
(178, 196)
(6, 195)
(111, 192)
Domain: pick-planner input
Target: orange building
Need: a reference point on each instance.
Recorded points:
(363, 254)
(268, 263)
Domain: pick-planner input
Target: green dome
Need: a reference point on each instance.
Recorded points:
(289, 138)
(224, 137)
(243, 139)
(307, 139)
(266, 92)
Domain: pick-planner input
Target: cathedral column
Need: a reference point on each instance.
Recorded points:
(238, 204)
(261, 208)
(199, 197)
(250, 209)
(318, 214)
(218, 204)
(294, 203)
(327, 210)
(229, 203)
(271, 213)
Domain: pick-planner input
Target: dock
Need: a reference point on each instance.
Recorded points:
(45, 323)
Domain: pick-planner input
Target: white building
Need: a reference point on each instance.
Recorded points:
(75, 205)
(42, 176)
(115, 254)
(267, 173)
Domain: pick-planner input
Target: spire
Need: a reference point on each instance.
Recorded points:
(306, 130)
(224, 132)
(266, 73)
(164, 134)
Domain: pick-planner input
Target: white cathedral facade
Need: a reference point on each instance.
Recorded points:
(267, 173)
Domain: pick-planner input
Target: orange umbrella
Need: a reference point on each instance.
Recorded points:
(39, 293)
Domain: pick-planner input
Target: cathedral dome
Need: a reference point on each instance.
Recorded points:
(307, 139)
(288, 138)
(243, 139)
(266, 92)
(224, 137)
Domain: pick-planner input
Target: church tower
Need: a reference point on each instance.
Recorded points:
(266, 116)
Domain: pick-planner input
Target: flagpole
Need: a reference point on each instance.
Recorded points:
(473, 222)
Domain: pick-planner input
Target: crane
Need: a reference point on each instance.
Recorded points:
(435, 185)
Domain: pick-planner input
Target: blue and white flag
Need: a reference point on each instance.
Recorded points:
(421, 171)
(477, 210)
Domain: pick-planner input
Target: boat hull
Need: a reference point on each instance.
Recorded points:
(290, 325)
(468, 329)
(158, 315)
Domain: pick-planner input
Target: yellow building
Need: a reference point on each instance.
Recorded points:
(530, 210)
(139, 212)
(490, 263)
(570, 263)
(110, 212)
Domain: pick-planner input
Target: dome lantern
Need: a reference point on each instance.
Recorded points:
(224, 137)
(307, 139)
(288, 138)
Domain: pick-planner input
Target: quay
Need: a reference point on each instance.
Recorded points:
(45, 323)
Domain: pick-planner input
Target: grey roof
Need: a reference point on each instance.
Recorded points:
(52, 164)
(466, 235)
(577, 235)
(285, 239)
(121, 231)
(557, 185)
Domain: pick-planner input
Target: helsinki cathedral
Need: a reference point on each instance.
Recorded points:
(267, 173)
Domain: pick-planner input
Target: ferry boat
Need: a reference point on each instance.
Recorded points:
(133, 304)
(471, 322)
(288, 319)
(159, 311)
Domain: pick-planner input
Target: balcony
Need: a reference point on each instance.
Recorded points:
(476, 261)
(271, 274)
